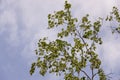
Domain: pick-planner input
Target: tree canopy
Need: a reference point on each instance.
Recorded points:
(77, 60)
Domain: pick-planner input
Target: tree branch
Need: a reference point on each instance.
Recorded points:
(81, 39)
(86, 74)
(92, 73)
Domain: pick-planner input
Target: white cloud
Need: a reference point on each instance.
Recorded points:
(8, 23)
(111, 54)
(94, 7)
(34, 16)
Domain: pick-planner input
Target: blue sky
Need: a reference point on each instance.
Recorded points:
(24, 22)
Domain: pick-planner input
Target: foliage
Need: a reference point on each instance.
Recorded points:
(114, 16)
(72, 59)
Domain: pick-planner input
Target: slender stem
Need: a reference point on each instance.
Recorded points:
(82, 39)
(95, 74)
(86, 74)
(92, 74)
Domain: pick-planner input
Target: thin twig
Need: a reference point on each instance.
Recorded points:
(86, 74)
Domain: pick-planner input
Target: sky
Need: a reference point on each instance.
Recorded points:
(24, 22)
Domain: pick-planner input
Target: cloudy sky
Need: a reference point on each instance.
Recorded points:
(24, 22)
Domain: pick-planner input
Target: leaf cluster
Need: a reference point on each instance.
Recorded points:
(72, 59)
